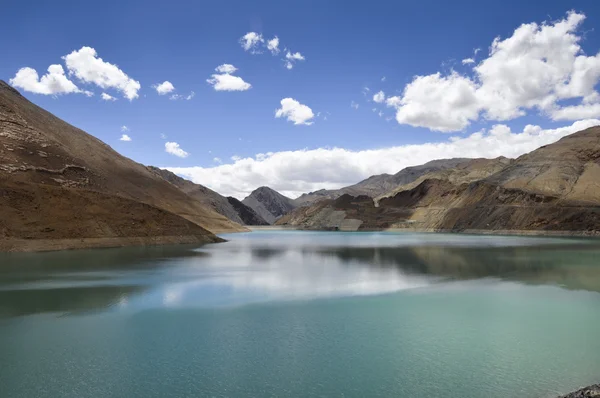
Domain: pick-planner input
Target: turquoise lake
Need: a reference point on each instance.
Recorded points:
(305, 314)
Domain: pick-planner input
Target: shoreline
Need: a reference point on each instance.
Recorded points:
(14, 245)
(586, 392)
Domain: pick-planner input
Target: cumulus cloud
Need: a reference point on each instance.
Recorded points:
(295, 112)
(55, 82)
(292, 58)
(107, 97)
(251, 42)
(174, 149)
(226, 68)
(354, 105)
(468, 61)
(379, 97)
(273, 45)
(225, 81)
(300, 171)
(89, 68)
(125, 137)
(163, 88)
(534, 69)
(125, 128)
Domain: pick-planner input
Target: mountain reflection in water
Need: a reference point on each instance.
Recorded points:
(281, 266)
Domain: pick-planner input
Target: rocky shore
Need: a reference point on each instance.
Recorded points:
(586, 392)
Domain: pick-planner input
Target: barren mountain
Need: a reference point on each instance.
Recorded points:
(44, 160)
(553, 189)
(269, 204)
(238, 213)
(465, 172)
(380, 184)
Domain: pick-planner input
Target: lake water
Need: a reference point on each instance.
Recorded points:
(304, 314)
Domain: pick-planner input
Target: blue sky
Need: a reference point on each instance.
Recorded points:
(346, 46)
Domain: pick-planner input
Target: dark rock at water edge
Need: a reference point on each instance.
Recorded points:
(586, 392)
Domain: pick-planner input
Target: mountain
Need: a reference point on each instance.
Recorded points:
(269, 204)
(380, 184)
(466, 171)
(234, 210)
(554, 189)
(60, 184)
(246, 213)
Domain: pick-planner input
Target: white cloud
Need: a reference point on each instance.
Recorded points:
(55, 82)
(534, 69)
(107, 97)
(164, 88)
(383, 79)
(174, 149)
(354, 105)
(125, 128)
(163, 136)
(125, 137)
(295, 112)
(292, 58)
(251, 41)
(442, 103)
(295, 172)
(273, 45)
(89, 68)
(379, 97)
(468, 61)
(188, 97)
(226, 68)
(227, 82)
(217, 160)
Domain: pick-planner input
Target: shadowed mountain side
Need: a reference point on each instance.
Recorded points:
(269, 204)
(237, 212)
(246, 213)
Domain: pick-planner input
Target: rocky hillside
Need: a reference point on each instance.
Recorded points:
(551, 190)
(236, 211)
(269, 204)
(54, 176)
(246, 213)
(381, 184)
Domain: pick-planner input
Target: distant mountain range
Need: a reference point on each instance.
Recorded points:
(62, 188)
(554, 189)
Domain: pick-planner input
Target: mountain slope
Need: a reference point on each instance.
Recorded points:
(238, 213)
(381, 184)
(553, 189)
(37, 148)
(269, 204)
(246, 213)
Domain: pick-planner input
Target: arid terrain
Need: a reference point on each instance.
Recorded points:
(58, 182)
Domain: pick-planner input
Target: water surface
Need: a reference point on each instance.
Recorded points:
(304, 314)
